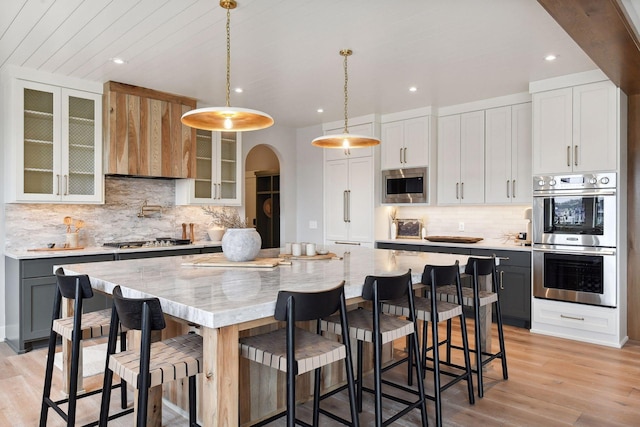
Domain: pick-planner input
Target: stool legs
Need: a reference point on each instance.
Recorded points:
(48, 375)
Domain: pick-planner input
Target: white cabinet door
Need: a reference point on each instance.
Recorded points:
(405, 143)
(498, 156)
(392, 145)
(59, 154)
(521, 184)
(472, 157)
(594, 127)
(336, 187)
(218, 171)
(508, 154)
(360, 200)
(449, 159)
(552, 131)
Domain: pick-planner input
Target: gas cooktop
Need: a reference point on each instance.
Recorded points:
(160, 241)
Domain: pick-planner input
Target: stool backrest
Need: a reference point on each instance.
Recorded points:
(130, 311)
(482, 266)
(309, 305)
(443, 274)
(67, 285)
(387, 287)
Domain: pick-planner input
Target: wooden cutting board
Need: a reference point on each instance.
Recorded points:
(329, 255)
(56, 249)
(453, 239)
(220, 261)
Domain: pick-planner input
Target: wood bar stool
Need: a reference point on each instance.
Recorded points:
(474, 297)
(81, 326)
(297, 351)
(379, 328)
(154, 363)
(432, 310)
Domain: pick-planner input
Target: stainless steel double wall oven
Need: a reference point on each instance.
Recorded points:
(575, 238)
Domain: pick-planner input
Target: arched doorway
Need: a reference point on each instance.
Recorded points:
(262, 194)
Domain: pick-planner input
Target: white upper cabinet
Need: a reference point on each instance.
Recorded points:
(508, 154)
(54, 153)
(405, 143)
(218, 171)
(461, 158)
(574, 129)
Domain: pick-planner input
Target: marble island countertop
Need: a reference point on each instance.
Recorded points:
(220, 296)
(99, 250)
(496, 244)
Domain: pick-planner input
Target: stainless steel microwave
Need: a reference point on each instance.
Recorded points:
(404, 185)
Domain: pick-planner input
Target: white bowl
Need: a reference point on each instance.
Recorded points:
(322, 251)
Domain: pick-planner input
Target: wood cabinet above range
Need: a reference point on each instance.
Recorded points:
(143, 134)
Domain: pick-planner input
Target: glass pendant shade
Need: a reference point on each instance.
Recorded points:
(227, 118)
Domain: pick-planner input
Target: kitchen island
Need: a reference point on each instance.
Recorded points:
(227, 300)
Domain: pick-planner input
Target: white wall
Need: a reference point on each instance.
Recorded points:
(282, 141)
(309, 162)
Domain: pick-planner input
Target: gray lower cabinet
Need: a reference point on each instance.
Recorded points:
(29, 290)
(514, 277)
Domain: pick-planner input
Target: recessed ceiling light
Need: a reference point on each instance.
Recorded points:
(238, 90)
(413, 89)
(550, 58)
(118, 61)
(320, 110)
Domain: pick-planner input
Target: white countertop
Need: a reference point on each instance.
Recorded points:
(497, 244)
(221, 296)
(99, 250)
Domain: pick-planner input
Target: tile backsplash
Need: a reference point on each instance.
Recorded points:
(34, 225)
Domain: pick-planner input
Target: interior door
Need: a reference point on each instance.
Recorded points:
(335, 193)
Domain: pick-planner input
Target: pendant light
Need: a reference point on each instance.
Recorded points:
(231, 119)
(345, 140)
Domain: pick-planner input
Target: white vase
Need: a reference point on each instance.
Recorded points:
(394, 230)
(241, 244)
(215, 233)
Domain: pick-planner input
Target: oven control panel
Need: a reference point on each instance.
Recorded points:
(575, 182)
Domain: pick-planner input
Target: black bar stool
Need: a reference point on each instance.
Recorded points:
(474, 297)
(432, 310)
(154, 363)
(80, 326)
(296, 351)
(379, 328)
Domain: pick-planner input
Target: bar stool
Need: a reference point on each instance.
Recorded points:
(89, 325)
(474, 297)
(434, 311)
(379, 328)
(297, 351)
(154, 363)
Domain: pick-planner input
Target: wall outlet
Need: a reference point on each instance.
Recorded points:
(313, 225)
(461, 226)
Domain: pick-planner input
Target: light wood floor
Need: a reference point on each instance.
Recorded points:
(552, 382)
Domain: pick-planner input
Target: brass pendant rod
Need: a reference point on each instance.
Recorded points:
(228, 54)
(346, 53)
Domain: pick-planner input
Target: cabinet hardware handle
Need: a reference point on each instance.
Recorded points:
(348, 205)
(405, 154)
(513, 189)
(575, 155)
(66, 184)
(507, 189)
(219, 191)
(338, 242)
(457, 190)
(572, 317)
(501, 280)
(401, 155)
(58, 185)
(462, 190)
(568, 156)
(344, 206)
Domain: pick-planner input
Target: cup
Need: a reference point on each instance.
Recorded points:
(72, 240)
(287, 248)
(296, 249)
(311, 249)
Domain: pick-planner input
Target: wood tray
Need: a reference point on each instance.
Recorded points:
(453, 239)
(329, 255)
(56, 249)
(220, 261)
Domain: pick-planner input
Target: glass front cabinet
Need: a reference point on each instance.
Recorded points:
(57, 154)
(218, 171)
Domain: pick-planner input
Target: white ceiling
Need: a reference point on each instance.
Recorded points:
(285, 52)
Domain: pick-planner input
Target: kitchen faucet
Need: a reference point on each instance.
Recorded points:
(147, 209)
